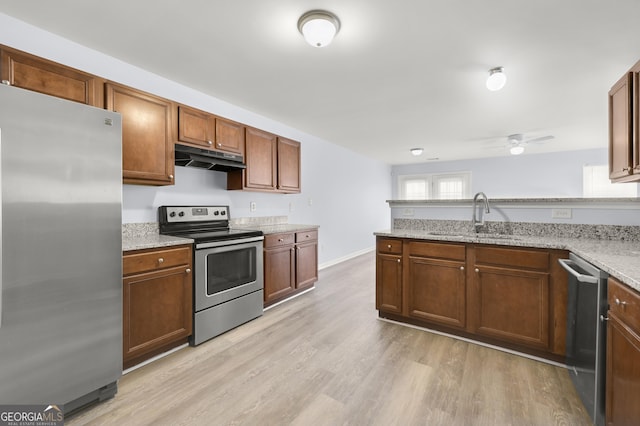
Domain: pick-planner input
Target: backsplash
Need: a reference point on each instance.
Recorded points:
(141, 229)
(561, 230)
(133, 230)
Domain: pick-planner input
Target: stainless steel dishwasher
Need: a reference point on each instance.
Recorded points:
(586, 333)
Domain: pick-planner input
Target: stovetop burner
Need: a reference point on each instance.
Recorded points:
(200, 223)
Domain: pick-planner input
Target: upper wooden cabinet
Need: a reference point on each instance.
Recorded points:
(147, 142)
(40, 75)
(204, 130)
(288, 165)
(273, 164)
(624, 128)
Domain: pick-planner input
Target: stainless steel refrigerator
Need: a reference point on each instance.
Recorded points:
(61, 251)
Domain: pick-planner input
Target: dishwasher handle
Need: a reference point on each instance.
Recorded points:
(568, 265)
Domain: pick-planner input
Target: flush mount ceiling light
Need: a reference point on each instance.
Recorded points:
(319, 27)
(496, 79)
(416, 151)
(516, 150)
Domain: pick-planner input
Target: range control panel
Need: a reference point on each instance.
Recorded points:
(197, 213)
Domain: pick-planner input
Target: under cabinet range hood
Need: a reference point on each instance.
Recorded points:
(188, 156)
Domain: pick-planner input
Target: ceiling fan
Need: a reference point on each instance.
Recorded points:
(517, 142)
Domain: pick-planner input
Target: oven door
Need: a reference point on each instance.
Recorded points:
(227, 270)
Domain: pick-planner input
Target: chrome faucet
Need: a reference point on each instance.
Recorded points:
(474, 221)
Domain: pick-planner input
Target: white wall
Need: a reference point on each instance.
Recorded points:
(550, 175)
(342, 192)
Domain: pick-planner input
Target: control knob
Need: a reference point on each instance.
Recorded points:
(172, 214)
(181, 214)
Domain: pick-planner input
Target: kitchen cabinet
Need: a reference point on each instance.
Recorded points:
(389, 275)
(623, 355)
(508, 296)
(157, 301)
(624, 128)
(40, 75)
(203, 130)
(290, 264)
(510, 287)
(436, 284)
(288, 165)
(147, 135)
(273, 164)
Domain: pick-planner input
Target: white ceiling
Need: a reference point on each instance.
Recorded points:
(402, 74)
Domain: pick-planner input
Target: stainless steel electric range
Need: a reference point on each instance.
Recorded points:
(228, 274)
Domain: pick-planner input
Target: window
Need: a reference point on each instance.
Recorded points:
(444, 186)
(596, 184)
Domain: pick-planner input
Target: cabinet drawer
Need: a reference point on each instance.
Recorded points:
(519, 258)
(303, 236)
(148, 260)
(437, 250)
(278, 240)
(389, 245)
(624, 302)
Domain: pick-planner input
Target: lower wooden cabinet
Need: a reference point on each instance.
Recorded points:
(510, 287)
(290, 264)
(510, 296)
(436, 284)
(157, 301)
(389, 276)
(623, 355)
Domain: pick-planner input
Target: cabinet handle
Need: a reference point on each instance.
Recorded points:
(171, 177)
(6, 82)
(477, 270)
(280, 240)
(626, 169)
(462, 268)
(603, 318)
(210, 143)
(160, 260)
(188, 271)
(398, 260)
(620, 302)
(389, 246)
(219, 144)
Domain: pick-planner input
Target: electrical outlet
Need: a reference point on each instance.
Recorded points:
(252, 206)
(561, 213)
(290, 207)
(407, 212)
(310, 201)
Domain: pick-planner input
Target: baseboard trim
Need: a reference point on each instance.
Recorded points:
(155, 358)
(345, 258)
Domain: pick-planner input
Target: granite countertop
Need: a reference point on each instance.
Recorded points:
(150, 241)
(618, 258)
(278, 228)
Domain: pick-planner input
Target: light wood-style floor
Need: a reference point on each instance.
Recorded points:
(325, 359)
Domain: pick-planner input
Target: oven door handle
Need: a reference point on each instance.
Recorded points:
(228, 242)
(568, 263)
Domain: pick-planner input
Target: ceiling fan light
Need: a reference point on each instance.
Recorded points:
(516, 150)
(497, 79)
(417, 151)
(318, 27)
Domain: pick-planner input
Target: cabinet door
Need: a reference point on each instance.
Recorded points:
(195, 127)
(389, 283)
(623, 374)
(437, 291)
(306, 264)
(157, 309)
(512, 305)
(288, 165)
(279, 273)
(40, 75)
(620, 128)
(635, 93)
(229, 136)
(260, 157)
(147, 146)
